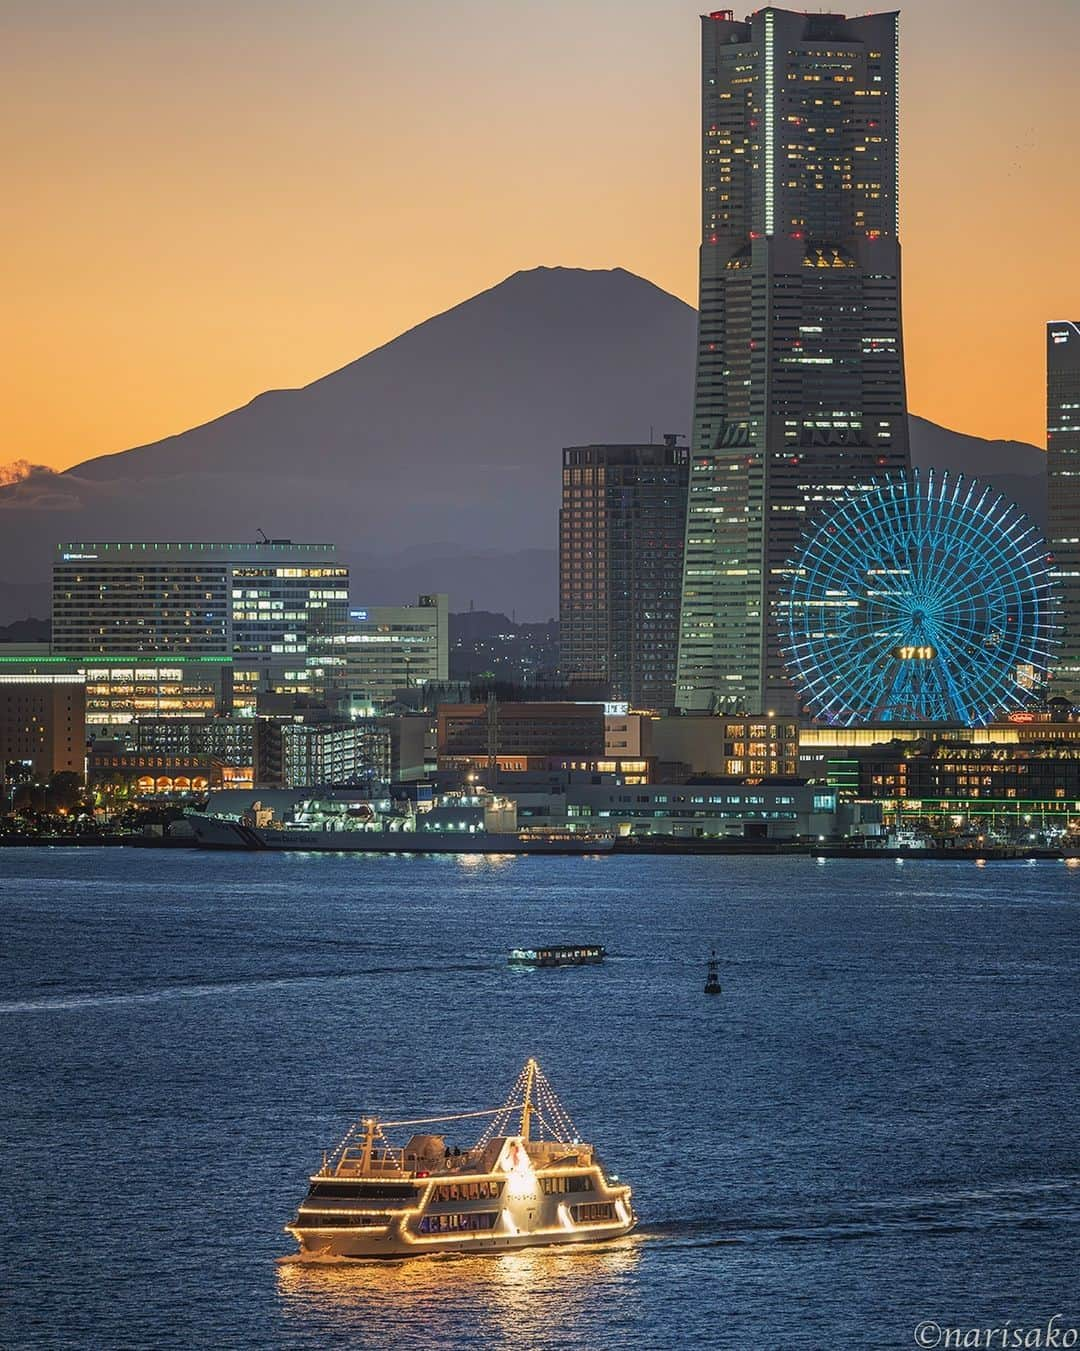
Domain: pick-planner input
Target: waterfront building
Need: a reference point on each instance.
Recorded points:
(230, 740)
(1008, 778)
(696, 811)
(254, 608)
(766, 746)
(42, 727)
(621, 528)
(1063, 496)
(1005, 790)
(521, 736)
(384, 649)
(111, 765)
(333, 753)
(800, 390)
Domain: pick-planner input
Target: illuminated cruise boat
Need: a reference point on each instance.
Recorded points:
(510, 1190)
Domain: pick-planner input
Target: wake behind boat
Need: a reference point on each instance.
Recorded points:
(509, 1190)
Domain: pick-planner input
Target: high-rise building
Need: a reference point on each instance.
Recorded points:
(1063, 483)
(621, 528)
(255, 607)
(800, 372)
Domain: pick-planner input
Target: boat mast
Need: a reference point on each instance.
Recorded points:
(369, 1142)
(527, 1108)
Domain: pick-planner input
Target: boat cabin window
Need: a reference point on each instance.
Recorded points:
(338, 1219)
(563, 1182)
(352, 1190)
(593, 1212)
(466, 1191)
(454, 1224)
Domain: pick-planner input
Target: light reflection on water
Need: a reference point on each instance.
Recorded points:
(507, 1296)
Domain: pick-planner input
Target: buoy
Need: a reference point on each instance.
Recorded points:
(712, 977)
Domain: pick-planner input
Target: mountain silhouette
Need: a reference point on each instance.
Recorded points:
(433, 462)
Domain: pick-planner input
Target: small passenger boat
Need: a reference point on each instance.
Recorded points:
(558, 955)
(507, 1191)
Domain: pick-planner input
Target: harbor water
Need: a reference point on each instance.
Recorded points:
(872, 1127)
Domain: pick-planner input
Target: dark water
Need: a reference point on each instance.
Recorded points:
(875, 1124)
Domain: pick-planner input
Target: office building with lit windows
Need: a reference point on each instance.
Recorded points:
(800, 390)
(1063, 494)
(621, 528)
(382, 650)
(252, 609)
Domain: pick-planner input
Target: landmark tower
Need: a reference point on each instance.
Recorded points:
(800, 369)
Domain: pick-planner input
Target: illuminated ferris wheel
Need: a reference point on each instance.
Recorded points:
(926, 599)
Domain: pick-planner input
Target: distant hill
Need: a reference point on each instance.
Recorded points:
(1015, 468)
(484, 645)
(432, 461)
(26, 631)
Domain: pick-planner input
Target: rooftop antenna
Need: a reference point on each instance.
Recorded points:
(263, 537)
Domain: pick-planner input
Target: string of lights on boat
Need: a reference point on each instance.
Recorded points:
(531, 1092)
(532, 1087)
(922, 598)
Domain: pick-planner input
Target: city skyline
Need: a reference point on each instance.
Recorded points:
(136, 216)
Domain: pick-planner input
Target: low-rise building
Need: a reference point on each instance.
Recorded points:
(317, 751)
(763, 746)
(230, 740)
(122, 688)
(519, 736)
(313, 754)
(110, 765)
(1007, 779)
(694, 811)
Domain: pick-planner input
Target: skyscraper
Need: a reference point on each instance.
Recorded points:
(1063, 484)
(800, 371)
(621, 530)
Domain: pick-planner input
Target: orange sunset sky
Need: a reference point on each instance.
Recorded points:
(205, 200)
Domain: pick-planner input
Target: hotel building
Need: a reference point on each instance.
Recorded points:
(1063, 493)
(152, 610)
(621, 528)
(800, 390)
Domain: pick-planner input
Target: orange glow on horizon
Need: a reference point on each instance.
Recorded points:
(205, 202)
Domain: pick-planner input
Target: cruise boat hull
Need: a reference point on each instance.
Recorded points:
(392, 1247)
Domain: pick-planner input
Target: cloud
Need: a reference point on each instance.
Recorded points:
(16, 470)
(36, 487)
